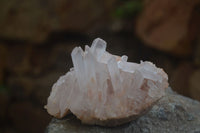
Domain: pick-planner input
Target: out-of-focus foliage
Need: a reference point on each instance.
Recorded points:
(3, 89)
(128, 9)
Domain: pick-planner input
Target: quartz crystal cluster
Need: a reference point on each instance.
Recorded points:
(103, 88)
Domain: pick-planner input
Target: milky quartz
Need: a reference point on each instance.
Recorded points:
(102, 87)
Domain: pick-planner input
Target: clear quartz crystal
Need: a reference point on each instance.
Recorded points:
(102, 86)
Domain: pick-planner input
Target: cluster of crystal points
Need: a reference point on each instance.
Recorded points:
(102, 86)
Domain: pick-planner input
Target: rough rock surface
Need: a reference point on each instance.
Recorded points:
(172, 114)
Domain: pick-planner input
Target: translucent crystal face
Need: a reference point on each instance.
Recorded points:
(102, 86)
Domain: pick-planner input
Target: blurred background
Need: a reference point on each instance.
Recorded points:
(37, 37)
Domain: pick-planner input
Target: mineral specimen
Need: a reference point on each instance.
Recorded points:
(105, 89)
